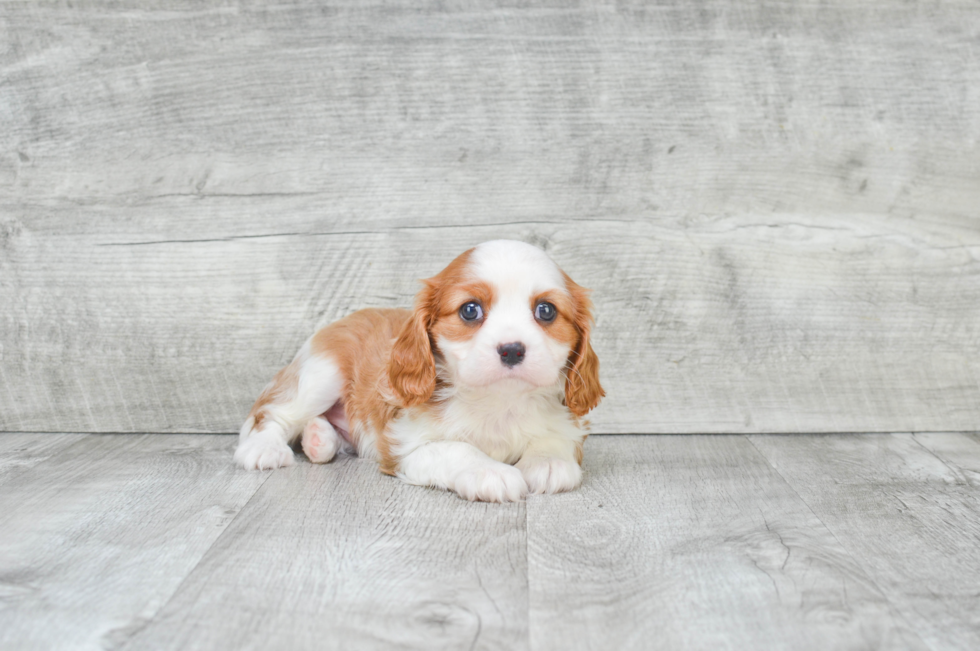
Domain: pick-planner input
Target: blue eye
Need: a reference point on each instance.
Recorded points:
(471, 312)
(545, 312)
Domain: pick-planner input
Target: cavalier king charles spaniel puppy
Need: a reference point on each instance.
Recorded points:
(480, 389)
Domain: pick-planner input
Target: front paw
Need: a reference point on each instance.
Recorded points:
(263, 451)
(497, 483)
(550, 475)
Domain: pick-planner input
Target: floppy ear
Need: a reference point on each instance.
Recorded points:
(412, 368)
(582, 389)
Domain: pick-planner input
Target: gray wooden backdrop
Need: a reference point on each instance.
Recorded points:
(776, 203)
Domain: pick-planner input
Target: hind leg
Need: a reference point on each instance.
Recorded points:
(320, 440)
(302, 391)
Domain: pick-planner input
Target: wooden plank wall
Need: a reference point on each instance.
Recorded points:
(776, 203)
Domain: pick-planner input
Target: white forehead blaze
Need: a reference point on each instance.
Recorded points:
(515, 268)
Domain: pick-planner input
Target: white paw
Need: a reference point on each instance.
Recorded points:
(320, 440)
(263, 451)
(496, 483)
(550, 475)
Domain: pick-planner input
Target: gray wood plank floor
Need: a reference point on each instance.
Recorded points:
(696, 542)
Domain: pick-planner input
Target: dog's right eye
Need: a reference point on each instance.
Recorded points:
(471, 312)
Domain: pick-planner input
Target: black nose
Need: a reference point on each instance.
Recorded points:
(511, 354)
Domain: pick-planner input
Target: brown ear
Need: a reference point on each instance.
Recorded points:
(582, 389)
(412, 369)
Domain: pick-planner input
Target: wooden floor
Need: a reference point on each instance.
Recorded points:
(673, 542)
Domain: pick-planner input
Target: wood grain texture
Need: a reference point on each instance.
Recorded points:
(959, 451)
(342, 557)
(775, 203)
(695, 542)
(97, 537)
(726, 324)
(691, 542)
(910, 516)
(20, 452)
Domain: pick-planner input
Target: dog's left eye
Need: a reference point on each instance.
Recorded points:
(545, 311)
(471, 312)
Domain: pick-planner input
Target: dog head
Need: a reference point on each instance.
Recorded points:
(500, 315)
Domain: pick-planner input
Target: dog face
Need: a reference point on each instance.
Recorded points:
(500, 315)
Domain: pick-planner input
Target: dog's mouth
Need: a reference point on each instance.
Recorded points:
(515, 379)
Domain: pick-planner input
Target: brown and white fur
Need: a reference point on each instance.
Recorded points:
(435, 398)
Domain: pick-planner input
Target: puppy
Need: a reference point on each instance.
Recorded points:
(480, 389)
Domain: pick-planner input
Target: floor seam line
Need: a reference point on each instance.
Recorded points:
(191, 571)
(857, 561)
(952, 467)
